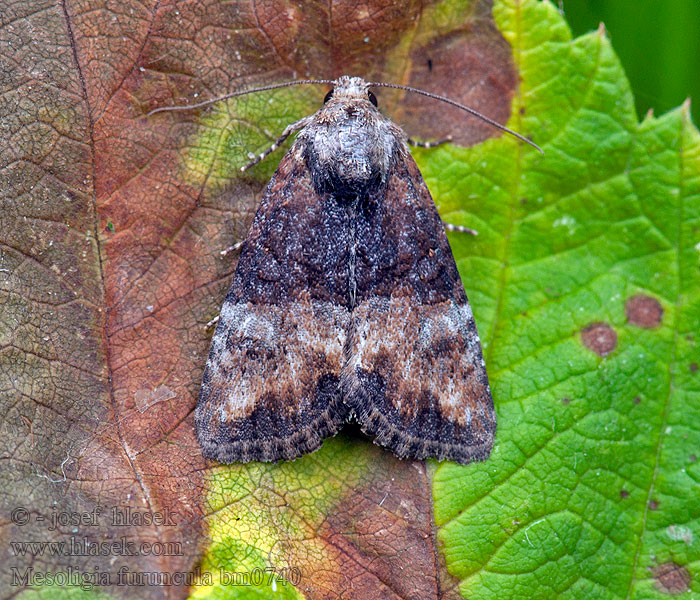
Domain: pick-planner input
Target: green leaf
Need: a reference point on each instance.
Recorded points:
(591, 491)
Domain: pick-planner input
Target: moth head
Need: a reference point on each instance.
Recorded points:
(351, 88)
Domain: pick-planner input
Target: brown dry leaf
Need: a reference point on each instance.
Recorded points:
(110, 268)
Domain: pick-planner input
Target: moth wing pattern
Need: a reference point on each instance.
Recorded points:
(415, 376)
(271, 389)
(346, 303)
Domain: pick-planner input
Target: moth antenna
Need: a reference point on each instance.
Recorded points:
(240, 93)
(471, 111)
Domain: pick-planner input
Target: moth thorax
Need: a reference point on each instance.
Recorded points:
(351, 150)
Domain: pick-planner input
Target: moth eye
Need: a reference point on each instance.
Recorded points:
(329, 95)
(372, 98)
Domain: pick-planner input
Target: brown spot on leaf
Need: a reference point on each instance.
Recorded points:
(644, 311)
(599, 337)
(653, 504)
(624, 494)
(637, 400)
(566, 401)
(671, 578)
(693, 367)
(471, 63)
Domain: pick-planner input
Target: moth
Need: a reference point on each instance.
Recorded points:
(346, 304)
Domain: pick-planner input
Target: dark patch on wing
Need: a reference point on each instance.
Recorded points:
(415, 376)
(270, 390)
(298, 244)
(279, 427)
(402, 247)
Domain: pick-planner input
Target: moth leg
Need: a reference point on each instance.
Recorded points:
(448, 226)
(419, 144)
(289, 130)
(237, 246)
(459, 228)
